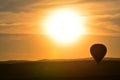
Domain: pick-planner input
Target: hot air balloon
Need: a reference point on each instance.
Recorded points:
(98, 51)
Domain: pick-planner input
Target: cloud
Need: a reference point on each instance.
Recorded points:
(99, 0)
(27, 5)
(104, 16)
(108, 24)
(21, 15)
(15, 5)
(16, 28)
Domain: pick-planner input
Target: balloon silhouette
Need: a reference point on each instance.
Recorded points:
(98, 52)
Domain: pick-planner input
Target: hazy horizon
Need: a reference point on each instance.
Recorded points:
(21, 47)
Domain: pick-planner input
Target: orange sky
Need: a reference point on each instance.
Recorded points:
(26, 18)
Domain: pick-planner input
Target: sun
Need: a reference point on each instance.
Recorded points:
(64, 25)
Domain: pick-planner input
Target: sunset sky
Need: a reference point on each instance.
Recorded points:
(22, 36)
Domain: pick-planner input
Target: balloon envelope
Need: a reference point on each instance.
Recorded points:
(98, 52)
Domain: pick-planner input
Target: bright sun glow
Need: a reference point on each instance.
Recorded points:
(64, 25)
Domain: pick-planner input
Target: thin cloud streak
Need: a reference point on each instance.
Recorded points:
(17, 16)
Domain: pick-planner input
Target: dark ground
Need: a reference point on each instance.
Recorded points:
(108, 69)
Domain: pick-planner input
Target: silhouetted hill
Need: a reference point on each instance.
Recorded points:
(85, 69)
(13, 61)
